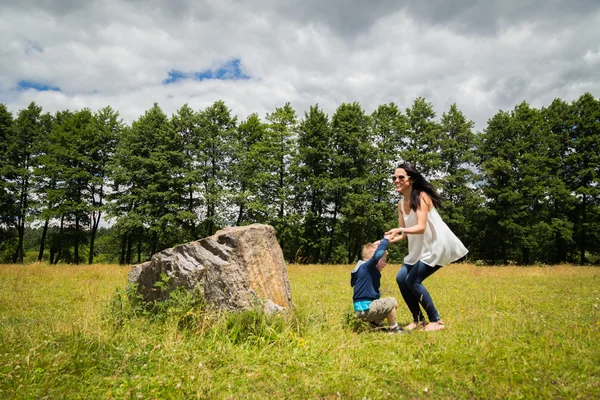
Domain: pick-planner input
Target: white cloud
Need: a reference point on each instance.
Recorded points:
(483, 57)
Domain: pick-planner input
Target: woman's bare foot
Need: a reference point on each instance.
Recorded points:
(414, 325)
(434, 326)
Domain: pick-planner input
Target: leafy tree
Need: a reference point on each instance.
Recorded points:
(311, 172)
(72, 141)
(216, 127)
(495, 155)
(559, 123)
(279, 147)
(353, 152)
(44, 181)
(389, 128)
(186, 125)
(247, 170)
(100, 146)
(21, 152)
(457, 153)
(6, 194)
(514, 155)
(147, 188)
(422, 138)
(584, 165)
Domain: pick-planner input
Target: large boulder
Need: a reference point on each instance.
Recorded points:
(236, 268)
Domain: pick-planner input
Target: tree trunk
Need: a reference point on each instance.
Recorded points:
(332, 235)
(210, 224)
(123, 249)
(129, 246)
(191, 209)
(240, 217)
(582, 230)
(18, 256)
(154, 243)
(139, 245)
(60, 235)
(526, 255)
(76, 255)
(560, 254)
(95, 223)
(43, 242)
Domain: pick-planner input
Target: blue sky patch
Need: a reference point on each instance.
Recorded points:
(232, 70)
(25, 85)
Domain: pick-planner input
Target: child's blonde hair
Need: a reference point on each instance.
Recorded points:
(368, 250)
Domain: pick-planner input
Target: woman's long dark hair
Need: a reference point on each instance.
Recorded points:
(419, 185)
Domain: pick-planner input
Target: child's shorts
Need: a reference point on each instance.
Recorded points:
(378, 310)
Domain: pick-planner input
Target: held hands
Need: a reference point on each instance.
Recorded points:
(395, 235)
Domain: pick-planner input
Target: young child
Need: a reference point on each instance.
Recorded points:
(365, 278)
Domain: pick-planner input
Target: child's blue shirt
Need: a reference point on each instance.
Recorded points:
(365, 278)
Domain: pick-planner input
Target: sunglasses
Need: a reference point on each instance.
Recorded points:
(399, 178)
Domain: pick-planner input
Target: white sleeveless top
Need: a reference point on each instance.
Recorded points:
(436, 246)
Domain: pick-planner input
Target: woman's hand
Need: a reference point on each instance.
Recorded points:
(398, 238)
(395, 235)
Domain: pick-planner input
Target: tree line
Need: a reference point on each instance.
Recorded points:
(525, 190)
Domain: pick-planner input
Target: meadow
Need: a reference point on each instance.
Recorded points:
(512, 332)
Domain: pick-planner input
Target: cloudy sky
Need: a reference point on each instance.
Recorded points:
(257, 55)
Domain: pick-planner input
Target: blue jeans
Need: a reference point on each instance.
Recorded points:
(409, 280)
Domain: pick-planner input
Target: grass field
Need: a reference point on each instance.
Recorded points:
(512, 332)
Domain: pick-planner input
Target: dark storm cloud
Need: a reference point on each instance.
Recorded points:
(490, 17)
(350, 18)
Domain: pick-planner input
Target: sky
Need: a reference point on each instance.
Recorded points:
(257, 55)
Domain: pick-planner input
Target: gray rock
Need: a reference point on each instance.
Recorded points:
(235, 269)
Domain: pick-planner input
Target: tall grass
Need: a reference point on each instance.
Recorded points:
(73, 332)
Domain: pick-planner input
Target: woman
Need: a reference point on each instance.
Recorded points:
(431, 244)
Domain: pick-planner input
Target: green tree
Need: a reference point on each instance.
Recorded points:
(584, 165)
(22, 151)
(352, 154)
(279, 148)
(311, 172)
(247, 170)
(50, 182)
(422, 143)
(147, 188)
(559, 121)
(6, 195)
(216, 127)
(514, 154)
(72, 140)
(495, 161)
(389, 127)
(44, 180)
(457, 185)
(186, 125)
(100, 146)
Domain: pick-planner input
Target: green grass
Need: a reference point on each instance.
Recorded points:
(511, 332)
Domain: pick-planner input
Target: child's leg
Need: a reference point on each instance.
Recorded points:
(391, 317)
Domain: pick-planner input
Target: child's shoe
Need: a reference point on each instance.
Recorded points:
(398, 331)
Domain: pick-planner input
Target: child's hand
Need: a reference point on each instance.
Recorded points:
(394, 235)
(397, 238)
